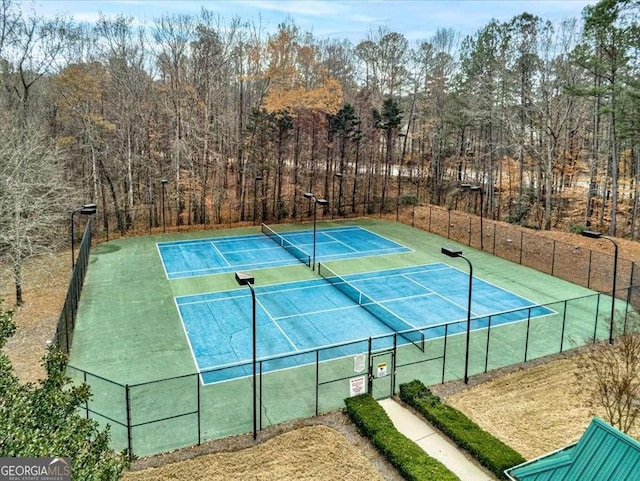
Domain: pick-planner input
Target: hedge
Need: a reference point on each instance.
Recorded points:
(406, 456)
(487, 449)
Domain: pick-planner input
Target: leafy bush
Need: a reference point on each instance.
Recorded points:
(487, 449)
(406, 456)
(41, 419)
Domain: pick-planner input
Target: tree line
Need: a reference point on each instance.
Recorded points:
(544, 117)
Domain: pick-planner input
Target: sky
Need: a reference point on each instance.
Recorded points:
(336, 19)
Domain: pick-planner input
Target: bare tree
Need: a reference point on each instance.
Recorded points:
(610, 375)
(34, 199)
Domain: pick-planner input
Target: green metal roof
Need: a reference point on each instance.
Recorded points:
(603, 453)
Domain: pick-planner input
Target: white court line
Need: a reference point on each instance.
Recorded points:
(533, 303)
(164, 267)
(313, 313)
(186, 334)
(340, 242)
(277, 325)
(215, 247)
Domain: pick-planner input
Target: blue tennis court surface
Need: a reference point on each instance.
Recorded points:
(301, 316)
(227, 254)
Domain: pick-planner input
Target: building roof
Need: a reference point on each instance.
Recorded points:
(602, 453)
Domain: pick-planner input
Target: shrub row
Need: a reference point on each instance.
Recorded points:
(407, 457)
(487, 449)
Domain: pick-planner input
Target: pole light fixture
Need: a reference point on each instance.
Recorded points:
(247, 279)
(164, 183)
(477, 188)
(453, 252)
(86, 209)
(257, 179)
(316, 201)
(597, 235)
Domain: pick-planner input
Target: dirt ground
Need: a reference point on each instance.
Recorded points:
(534, 408)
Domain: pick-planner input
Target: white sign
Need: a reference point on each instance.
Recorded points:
(357, 386)
(358, 362)
(382, 369)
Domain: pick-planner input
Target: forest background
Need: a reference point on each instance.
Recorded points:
(212, 115)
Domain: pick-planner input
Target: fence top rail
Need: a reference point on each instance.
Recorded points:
(102, 378)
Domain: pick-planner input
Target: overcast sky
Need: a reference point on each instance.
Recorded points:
(353, 20)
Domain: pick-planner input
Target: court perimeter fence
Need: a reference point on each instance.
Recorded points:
(591, 268)
(159, 416)
(67, 319)
(166, 414)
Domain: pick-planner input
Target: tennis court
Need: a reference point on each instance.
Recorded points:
(271, 249)
(148, 345)
(303, 316)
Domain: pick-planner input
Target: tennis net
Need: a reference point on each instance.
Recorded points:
(377, 310)
(296, 252)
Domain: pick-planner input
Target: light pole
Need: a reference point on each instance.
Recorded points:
(255, 197)
(451, 252)
(316, 201)
(87, 209)
(477, 188)
(247, 279)
(164, 183)
(597, 235)
(337, 175)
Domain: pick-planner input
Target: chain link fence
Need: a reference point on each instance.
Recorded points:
(166, 414)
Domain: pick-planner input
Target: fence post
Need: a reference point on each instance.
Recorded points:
(494, 239)
(526, 339)
(260, 399)
(444, 351)
(521, 245)
(486, 354)
(370, 371)
(129, 436)
(564, 319)
(317, 379)
(595, 327)
(553, 258)
(449, 224)
(199, 410)
(84, 380)
(469, 231)
(589, 270)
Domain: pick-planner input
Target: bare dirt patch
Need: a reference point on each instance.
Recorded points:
(314, 453)
(45, 282)
(534, 408)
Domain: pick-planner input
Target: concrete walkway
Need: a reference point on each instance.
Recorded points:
(435, 444)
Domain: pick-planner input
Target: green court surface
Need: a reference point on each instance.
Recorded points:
(129, 340)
